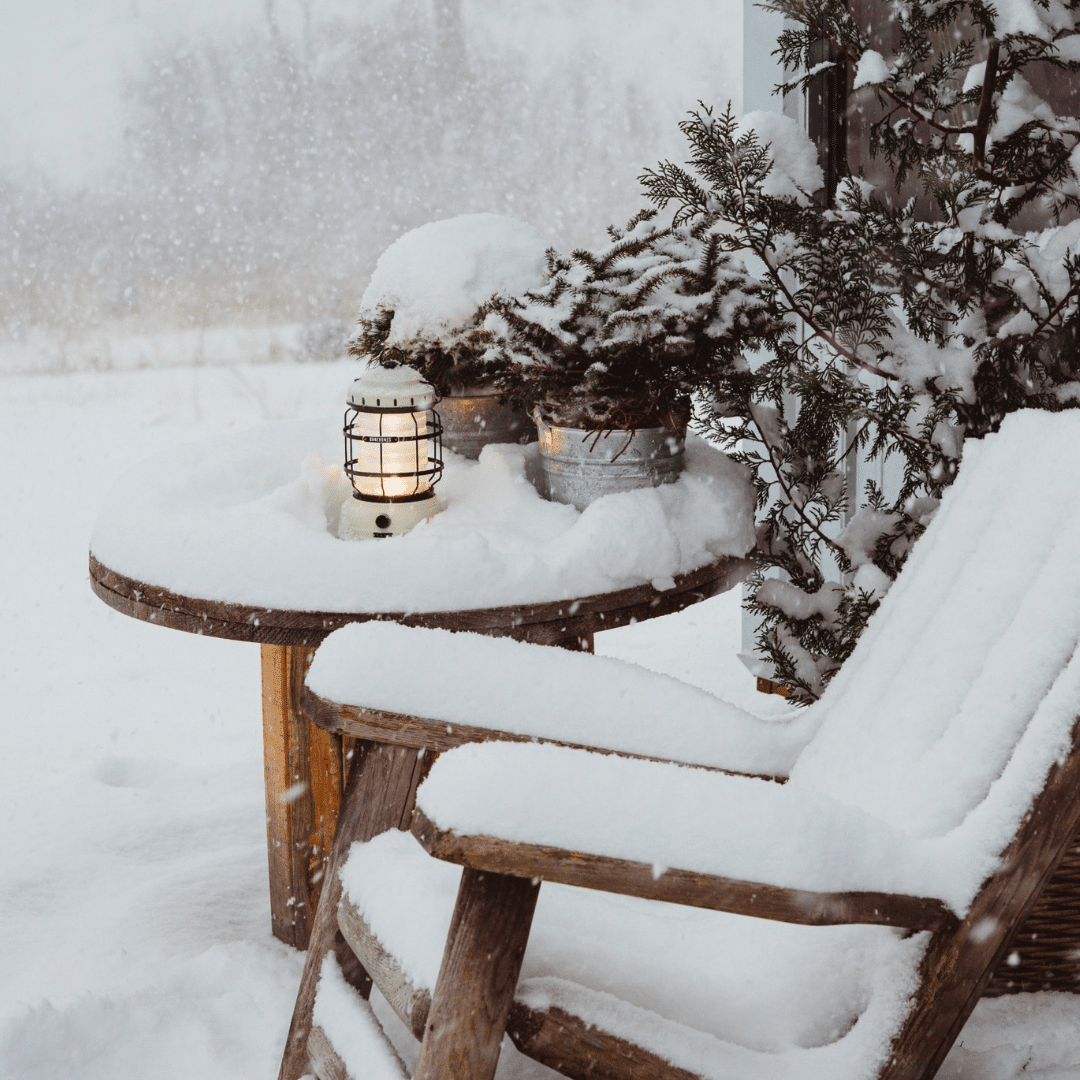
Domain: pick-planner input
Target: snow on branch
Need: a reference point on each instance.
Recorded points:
(893, 331)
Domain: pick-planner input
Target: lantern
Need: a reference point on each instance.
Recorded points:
(393, 453)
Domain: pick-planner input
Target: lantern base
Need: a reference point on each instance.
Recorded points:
(364, 520)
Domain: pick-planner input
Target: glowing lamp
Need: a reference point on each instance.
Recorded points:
(393, 453)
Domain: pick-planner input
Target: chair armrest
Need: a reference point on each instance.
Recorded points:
(424, 733)
(462, 687)
(679, 886)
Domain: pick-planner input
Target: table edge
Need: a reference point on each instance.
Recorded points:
(545, 623)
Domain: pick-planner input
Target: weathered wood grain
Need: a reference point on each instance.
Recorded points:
(348, 747)
(680, 886)
(326, 774)
(379, 795)
(959, 963)
(479, 973)
(577, 643)
(302, 766)
(560, 622)
(411, 1005)
(323, 1058)
(327, 1063)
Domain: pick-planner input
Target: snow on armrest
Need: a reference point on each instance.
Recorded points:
(673, 817)
(549, 694)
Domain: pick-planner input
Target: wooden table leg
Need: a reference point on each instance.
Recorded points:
(303, 771)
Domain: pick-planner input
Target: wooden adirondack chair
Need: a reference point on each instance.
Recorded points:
(392, 749)
(938, 787)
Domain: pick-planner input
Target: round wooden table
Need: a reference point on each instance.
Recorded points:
(306, 766)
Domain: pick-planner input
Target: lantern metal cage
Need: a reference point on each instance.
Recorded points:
(418, 446)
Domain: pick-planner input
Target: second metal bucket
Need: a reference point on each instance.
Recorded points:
(579, 466)
(471, 421)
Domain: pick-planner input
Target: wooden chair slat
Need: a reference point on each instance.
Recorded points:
(584, 1051)
(324, 1059)
(379, 795)
(478, 977)
(420, 733)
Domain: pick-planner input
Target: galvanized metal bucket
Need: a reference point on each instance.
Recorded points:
(578, 466)
(471, 421)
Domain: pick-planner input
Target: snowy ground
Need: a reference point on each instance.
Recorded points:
(133, 875)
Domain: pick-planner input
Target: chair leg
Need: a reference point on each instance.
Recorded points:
(379, 795)
(478, 977)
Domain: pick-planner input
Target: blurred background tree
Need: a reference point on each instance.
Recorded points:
(264, 168)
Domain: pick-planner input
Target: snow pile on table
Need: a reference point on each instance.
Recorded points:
(574, 698)
(934, 738)
(251, 519)
(434, 278)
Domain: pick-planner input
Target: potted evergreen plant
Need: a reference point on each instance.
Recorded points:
(423, 308)
(910, 314)
(608, 354)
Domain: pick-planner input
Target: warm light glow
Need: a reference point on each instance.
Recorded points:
(384, 455)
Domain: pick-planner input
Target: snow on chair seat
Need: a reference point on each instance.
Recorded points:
(464, 687)
(345, 1038)
(711, 993)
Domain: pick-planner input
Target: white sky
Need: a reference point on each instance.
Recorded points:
(63, 62)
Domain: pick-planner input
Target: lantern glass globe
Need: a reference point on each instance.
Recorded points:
(391, 454)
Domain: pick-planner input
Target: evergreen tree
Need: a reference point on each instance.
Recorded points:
(902, 326)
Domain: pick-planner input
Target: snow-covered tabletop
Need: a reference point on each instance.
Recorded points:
(232, 530)
(236, 537)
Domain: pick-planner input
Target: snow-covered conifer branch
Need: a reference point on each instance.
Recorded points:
(894, 330)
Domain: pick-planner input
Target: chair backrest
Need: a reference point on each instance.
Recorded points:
(965, 686)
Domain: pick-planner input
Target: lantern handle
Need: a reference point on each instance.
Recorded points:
(392, 357)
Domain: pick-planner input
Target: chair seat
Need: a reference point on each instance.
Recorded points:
(620, 808)
(712, 993)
